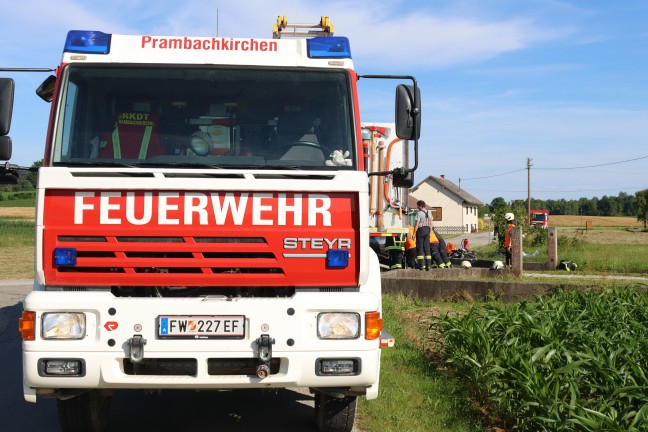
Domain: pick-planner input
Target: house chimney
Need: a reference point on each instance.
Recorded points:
(442, 176)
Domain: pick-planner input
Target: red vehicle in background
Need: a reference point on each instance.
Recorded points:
(539, 218)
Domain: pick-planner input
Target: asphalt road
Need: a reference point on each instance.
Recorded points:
(242, 410)
(474, 239)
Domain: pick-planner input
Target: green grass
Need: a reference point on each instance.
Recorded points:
(17, 263)
(590, 257)
(23, 202)
(414, 396)
(16, 232)
(626, 258)
(16, 249)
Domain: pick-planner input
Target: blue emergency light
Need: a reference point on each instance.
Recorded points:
(88, 42)
(328, 47)
(337, 258)
(65, 257)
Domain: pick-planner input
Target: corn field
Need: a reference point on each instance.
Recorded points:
(572, 361)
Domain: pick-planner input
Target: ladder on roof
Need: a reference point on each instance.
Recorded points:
(282, 29)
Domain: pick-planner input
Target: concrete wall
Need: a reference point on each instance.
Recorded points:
(461, 284)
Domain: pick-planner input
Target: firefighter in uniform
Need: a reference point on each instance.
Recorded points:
(395, 248)
(508, 236)
(443, 249)
(410, 249)
(434, 251)
(422, 229)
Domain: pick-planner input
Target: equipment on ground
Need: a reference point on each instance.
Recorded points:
(203, 221)
(567, 265)
(466, 264)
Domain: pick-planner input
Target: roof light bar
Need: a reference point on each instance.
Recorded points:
(329, 47)
(88, 42)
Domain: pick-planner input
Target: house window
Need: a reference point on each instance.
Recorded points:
(437, 213)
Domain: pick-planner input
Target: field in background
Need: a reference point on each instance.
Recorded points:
(597, 221)
(17, 212)
(22, 202)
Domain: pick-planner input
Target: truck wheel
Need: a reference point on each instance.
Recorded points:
(334, 414)
(88, 411)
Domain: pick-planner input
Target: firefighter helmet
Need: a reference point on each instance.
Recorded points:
(509, 216)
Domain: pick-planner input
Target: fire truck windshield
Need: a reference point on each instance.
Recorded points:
(204, 116)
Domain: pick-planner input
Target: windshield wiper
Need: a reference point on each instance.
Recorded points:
(177, 165)
(94, 164)
(217, 166)
(265, 167)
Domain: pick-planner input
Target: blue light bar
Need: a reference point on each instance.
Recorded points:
(328, 47)
(337, 258)
(89, 42)
(65, 256)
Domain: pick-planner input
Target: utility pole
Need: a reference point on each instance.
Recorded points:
(529, 188)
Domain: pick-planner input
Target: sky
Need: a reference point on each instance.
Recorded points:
(559, 85)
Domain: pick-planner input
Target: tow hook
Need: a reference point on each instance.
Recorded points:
(136, 345)
(264, 354)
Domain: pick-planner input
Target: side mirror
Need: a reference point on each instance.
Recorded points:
(46, 90)
(8, 176)
(5, 148)
(403, 180)
(408, 112)
(6, 104)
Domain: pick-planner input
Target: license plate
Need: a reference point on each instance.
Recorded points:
(201, 326)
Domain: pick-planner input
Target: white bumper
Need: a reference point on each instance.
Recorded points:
(291, 322)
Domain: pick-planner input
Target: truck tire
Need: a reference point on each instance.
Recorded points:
(88, 411)
(334, 414)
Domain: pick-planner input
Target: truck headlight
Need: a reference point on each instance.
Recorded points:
(63, 325)
(338, 325)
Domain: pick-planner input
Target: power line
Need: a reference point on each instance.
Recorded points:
(593, 166)
(563, 168)
(619, 188)
(494, 175)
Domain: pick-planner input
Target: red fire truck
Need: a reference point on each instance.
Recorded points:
(202, 221)
(539, 218)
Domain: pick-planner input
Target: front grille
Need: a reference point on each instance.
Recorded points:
(177, 255)
(165, 367)
(238, 366)
(189, 366)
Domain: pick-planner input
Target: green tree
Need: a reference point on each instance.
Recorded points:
(497, 205)
(32, 176)
(642, 207)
